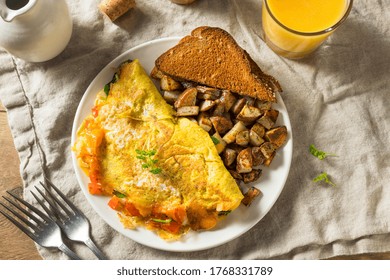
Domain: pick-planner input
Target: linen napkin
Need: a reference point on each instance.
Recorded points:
(338, 100)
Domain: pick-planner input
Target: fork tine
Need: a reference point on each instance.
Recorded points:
(71, 205)
(23, 219)
(47, 210)
(16, 223)
(31, 207)
(53, 211)
(63, 207)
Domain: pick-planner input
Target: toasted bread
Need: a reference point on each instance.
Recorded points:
(210, 56)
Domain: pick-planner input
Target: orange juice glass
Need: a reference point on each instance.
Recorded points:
(295, 28)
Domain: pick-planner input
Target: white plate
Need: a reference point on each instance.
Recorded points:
(238, 222)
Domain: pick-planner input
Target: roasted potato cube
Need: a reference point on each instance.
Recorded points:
(188, 84)
(228, 99)
(250, 195)
(244, 161)
(167, 83)
(249, 113)
(263, 105)
(206, 93)
(204, 122)
(187, 98)
(207, 105)
(229, 156)
(235, 174)
(242, 138)
(257, 156)
(249, 100)
(255, 139)
(238, 105)
(267, 149)
(221, 124)
(219, 109)
(259, 129)
(252, 176)
(268, 161)
(277, 136)
(187, 111)
(156, 73)
(219, 143)
(269, 118)
(171, 96)
(230, 136)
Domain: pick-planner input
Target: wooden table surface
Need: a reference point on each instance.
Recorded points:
(15, 245)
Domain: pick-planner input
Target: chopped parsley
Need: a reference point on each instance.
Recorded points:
(148, 161)
(215, 140)
(319, 154)
(118, 194)
(325, 178)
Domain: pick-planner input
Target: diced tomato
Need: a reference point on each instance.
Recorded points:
(131, 209)
(172, 227)
(95, 188)
(178, 214)
(115, 203)
(95, 111)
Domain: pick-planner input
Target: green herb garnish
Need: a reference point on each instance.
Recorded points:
(167, 221)
(118, 194)
(324, 177)
(107, 88)
(224, 213)
(215, 140)
(319, 154)
(149, 162)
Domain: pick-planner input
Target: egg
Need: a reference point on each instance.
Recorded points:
(161, 172)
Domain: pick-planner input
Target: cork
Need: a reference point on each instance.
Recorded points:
(116, 8)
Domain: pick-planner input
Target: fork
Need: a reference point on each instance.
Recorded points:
(68, 217)
(43, 230)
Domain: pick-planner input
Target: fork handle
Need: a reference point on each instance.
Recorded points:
(95, 249)
(68, 252)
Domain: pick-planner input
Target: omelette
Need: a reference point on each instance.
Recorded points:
(161, 172)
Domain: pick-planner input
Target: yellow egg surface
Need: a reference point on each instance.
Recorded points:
(161, 172)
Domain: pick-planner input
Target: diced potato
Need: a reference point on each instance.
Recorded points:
(156, 73)
(229, 156)
(268, 161)
(235, 174)
(187, 111)
(207, 105)
(267, 149)
(242, 138)
(238, 105)
(187, 98)
(255, 139)
(250, 195)
(277, 136)
(269, 118)
(206, 93)
(221, 145)
(244, 161)
(230, 136)
(204, 122)
(171, 96)
(252, 176)
(249, 113)
(167, 83)
(221, 124)
(259, 129)
(257, 156)
(228, 99)
(219, 109)
(250, 100)
(263, 105)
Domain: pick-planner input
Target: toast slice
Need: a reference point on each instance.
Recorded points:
(210, 56)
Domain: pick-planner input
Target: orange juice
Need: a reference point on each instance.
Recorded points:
(295, 28)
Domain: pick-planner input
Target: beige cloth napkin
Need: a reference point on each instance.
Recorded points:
(338, 99)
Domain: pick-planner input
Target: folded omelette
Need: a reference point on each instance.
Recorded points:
(161, 172)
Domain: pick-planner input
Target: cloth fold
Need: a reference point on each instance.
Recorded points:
(337, 100)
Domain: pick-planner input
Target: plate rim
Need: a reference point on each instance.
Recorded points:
(114, 64)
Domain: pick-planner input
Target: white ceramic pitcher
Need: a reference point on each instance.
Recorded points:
(34, 30)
